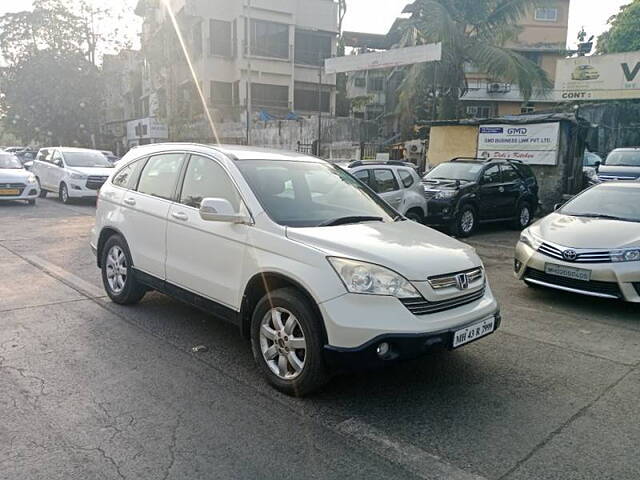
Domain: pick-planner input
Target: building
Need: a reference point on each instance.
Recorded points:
(257, 55)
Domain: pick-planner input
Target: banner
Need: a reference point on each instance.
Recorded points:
(599, 77)
(535, 144)
(396, 57)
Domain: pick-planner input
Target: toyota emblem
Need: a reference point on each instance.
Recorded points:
(462, 281)
(570, 255)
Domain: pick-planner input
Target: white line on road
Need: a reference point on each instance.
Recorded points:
(414, 459)
(66, 276)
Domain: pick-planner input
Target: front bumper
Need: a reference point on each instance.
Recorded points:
(30, 192)
(608, 280)
(440, 212)
(78, 189)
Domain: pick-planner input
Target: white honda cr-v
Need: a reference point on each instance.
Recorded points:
(317, 271)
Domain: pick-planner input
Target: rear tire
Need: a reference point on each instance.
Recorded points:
(118, 276)
(287, 342)
(466, 222)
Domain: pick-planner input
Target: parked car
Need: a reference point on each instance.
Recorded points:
(590, 246)
(585, 72)
(317, 271)
(16, 183)
(465, 192)
(14, 149)
(397, 183)
(72, 173)
(621, 164)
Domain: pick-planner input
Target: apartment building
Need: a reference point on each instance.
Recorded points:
(263, 53)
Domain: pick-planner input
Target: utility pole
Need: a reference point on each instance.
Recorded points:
(319, 104)
(248, 56)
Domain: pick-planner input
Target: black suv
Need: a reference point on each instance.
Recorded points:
(467, 191)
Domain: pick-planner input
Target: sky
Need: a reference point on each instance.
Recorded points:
(361, 16)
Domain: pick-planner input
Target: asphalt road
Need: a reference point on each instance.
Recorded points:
(91, 390)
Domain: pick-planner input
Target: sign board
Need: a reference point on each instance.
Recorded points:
(147, 128)
(396, 57)
(535, 144)
(599, 77)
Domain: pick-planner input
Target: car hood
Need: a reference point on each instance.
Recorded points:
(97, 171)
(578, 232)
(13, 175)
(412, 250)
(614, 171)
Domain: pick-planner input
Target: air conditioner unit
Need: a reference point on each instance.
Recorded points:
(498, 87)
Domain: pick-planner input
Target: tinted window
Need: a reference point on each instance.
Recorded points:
(509, 174)
(128, 176)
(207, 179)
(384, 181)
(90, 158)
(160, 175)
(455, 171)
(406, 178)
(492, 175)
(363, 176)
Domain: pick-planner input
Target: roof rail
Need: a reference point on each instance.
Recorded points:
(392, 163)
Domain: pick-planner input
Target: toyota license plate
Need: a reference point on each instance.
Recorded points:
(474, 332)
(568, 272)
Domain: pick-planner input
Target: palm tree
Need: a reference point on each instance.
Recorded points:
(472, 32)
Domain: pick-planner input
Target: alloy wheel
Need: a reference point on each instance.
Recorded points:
(116, 266)
(282, 343)
(467, 222)
(525, 216)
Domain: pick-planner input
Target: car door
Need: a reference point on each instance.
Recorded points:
(145, 210)
(56, 170)
(385, 184)
(490, 193)
(206, 257)
(41, 168)
(513, 188)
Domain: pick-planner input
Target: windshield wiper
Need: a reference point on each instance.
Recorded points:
(348, 220)
(603, 216)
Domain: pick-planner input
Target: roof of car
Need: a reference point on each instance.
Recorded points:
(627, 149)
(74, 149)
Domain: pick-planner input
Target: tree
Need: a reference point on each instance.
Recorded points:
(624, 32)
(472, 32)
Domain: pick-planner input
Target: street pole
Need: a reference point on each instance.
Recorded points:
(319, 106)
(249, 93)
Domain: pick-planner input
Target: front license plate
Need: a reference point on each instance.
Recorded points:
(9, 192)
(568, 272)
(474, 332)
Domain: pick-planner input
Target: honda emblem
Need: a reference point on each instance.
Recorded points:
(462, 281)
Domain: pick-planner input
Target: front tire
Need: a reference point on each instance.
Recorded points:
(117, 273)
(415, 216)
(64, 194)
(466, 222)
(286, 340)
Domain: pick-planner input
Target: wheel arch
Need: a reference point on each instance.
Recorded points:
(105, 234)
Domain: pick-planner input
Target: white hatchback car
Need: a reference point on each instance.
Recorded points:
(396, 183)
(16, 183)
(316, 270)
(71, 172)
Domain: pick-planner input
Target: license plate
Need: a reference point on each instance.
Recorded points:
(568, 272)
(474, 332)
(9, 191)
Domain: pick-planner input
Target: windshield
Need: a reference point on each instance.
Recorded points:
(86, 159)
(607, 201)
(624, 159)
(455, 171)
(307, 194)
(8, 162)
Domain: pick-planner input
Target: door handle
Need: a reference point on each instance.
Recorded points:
(180, 216)
(130, 201)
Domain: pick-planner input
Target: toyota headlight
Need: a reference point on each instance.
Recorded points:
(530, 239)
(619, 256)
(369, 279)
(78, 176)
(445, 194)
(31, 179)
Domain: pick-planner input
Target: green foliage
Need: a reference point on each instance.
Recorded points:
(472, 32)
(624, 32)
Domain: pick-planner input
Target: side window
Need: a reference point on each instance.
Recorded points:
(406, 178)
(363, 176)
(56, 156)
(491, 175)
(205, 178)
(385, 181)
(129, 175)
(510, 174)
(160, 175)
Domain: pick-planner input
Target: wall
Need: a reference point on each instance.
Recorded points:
(447, 142)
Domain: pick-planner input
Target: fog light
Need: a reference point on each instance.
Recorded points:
(518, 265)
(383, 349)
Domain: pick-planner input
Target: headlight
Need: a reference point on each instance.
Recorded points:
(368, 279)
(618, 256)
(78, 176)
(445, 194)
(31, 179)
(530, 239)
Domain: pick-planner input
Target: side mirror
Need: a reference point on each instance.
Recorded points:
(557, 206)
(221, 210)
(57, 162)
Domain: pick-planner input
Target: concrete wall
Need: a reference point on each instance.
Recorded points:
(448, 142)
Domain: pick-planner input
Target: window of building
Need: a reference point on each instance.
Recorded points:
(160, 175)
(305, 98)
(220, 38)
(360, 82)
(221, 94)
(479, 111)
(197, 40)
(374, 111)
(312, 48)
(375, 84)
(528, 108)
(535, 57)
(206, 179)
(263, 95)
(546, 14)
(269, 39)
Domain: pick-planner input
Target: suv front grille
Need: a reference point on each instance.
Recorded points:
(600, 288)
(420, 306)
(594, 256)
(95, 182)
(451, 279)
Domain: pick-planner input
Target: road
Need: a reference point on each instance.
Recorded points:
(92, 390)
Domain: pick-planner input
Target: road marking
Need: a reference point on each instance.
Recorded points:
(414, 459)
(66, 277)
